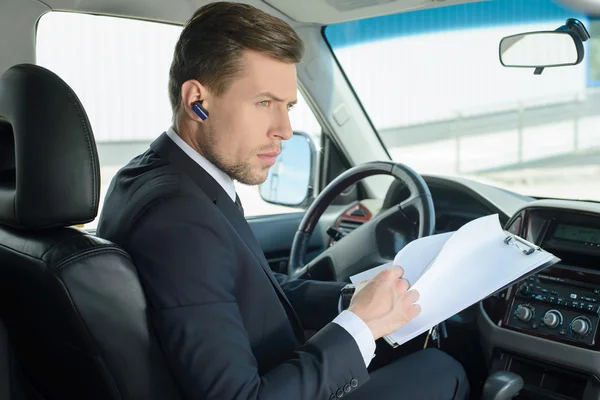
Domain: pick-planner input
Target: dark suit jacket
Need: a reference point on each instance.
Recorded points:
(229, 327)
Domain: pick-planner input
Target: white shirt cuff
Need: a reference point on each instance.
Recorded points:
(361, 333)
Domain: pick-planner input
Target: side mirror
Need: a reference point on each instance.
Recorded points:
(290, 180)
(544, 49)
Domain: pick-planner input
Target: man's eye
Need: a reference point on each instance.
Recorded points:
(264, 103)
(290, 107)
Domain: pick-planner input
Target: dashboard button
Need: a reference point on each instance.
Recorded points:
(359, 212)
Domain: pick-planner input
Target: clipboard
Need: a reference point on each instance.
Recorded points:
(520, 244)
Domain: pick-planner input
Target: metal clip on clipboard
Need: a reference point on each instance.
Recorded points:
(526, 247)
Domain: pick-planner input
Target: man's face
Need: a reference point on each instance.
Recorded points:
(243, 133)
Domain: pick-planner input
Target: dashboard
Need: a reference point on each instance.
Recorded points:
(456, 201)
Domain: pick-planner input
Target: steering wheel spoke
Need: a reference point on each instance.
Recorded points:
(414, 204)
(414, 209)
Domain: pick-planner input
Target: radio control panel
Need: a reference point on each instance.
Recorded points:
(556, 307)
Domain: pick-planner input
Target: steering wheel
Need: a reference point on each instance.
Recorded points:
(376, 241)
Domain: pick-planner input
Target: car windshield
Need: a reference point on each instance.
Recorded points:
(442, 103)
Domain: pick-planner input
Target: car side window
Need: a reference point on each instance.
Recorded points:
(119, 69)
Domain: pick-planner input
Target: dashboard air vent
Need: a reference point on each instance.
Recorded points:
(348, 226)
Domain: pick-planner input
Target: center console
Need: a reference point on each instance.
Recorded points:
(546, 327)
(561, 303)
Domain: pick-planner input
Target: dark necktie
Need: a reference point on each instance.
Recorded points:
(239, 203)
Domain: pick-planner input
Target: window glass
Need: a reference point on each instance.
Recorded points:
(433, 86)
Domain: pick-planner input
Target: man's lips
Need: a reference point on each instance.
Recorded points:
(270, 154)
(269, 157)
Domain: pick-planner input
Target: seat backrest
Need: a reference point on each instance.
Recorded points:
(5, 384)
(12, 386)
(71, 302)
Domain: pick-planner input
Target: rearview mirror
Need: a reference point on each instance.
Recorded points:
(540, 50)
(543, 49)
(289, 182)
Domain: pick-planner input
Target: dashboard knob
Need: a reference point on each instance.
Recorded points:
(524, 289)
(552, 319)
(524, 313)
(581, 326)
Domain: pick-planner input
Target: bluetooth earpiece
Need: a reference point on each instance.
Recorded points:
(199, 110)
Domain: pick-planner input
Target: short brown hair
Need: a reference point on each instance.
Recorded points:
(212, 42)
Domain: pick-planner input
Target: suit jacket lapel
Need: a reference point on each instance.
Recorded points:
(168, 150)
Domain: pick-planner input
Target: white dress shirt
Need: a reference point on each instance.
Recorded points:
(355, 326)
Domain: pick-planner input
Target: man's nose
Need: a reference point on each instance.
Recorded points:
(283, 128)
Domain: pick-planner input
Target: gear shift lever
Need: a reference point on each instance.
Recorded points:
(502, 385)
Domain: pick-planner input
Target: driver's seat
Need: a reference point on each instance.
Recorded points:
(72, 304)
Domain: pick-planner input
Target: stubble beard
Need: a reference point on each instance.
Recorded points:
(241, 172)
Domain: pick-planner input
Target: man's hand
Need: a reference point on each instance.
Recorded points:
(384, 302)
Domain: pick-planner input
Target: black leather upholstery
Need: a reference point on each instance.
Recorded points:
(55, 147)
(71, 302)
(5, 384)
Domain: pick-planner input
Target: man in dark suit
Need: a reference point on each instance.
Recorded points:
(229, 327)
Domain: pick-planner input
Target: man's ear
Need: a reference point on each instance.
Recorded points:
(194, 100)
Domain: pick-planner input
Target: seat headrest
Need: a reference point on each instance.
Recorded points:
(49, 168)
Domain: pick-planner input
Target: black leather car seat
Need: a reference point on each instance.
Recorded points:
(72, 303)
(12, 386)
(5, 384)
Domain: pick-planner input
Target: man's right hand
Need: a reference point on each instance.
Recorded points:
(384, 302)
